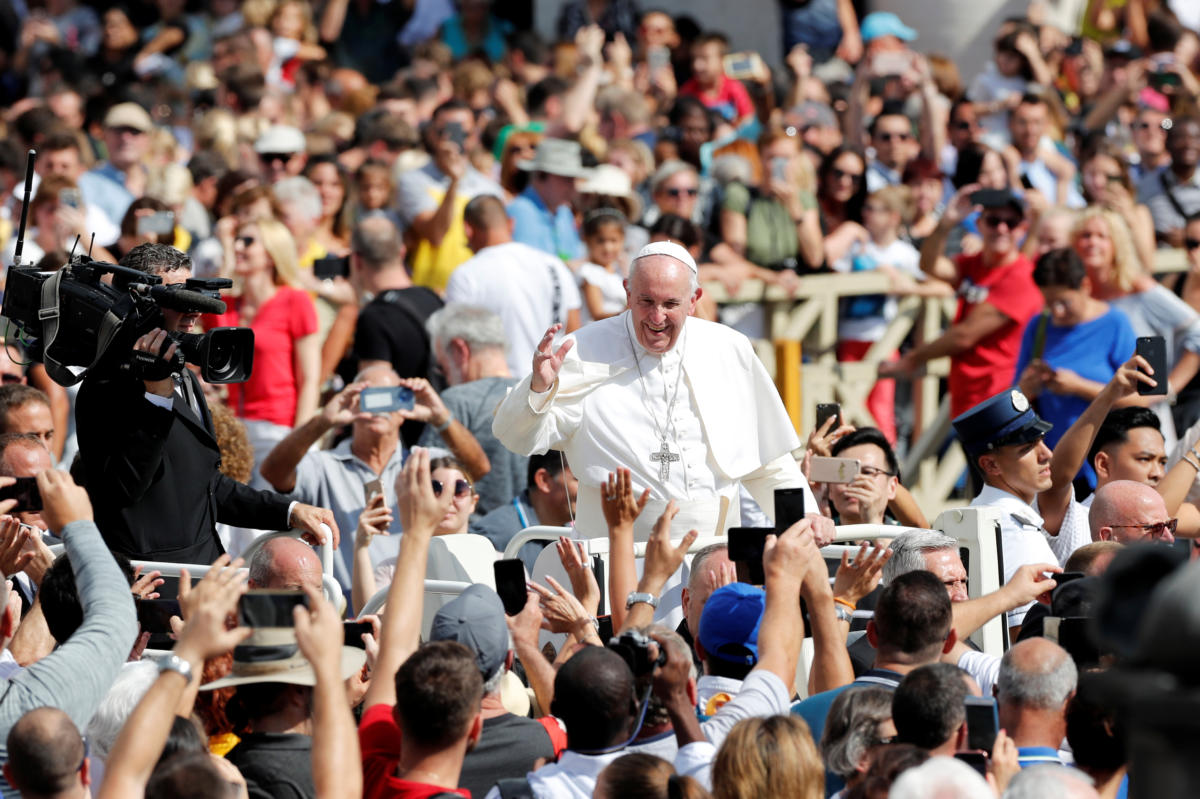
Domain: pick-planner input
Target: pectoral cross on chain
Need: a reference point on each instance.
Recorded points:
(664, 458)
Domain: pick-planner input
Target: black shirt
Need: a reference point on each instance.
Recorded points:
(275, 765)
(507, 749)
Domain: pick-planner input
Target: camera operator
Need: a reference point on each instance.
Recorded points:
(150, 453)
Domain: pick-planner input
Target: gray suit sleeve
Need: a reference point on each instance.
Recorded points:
(77, 675)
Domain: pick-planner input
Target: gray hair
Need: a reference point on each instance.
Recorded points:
(299, 193)
(668, 170)
(132, 683)
(1047, 779)
(693, 278)
(850, 729)
(1046, 686)
(696, 569)
(908, 551)
(377, 243)
(478, 327)
(943, 777)
(732, 169)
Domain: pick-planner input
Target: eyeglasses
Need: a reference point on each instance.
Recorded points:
(875, 471)
(246, 241)
(841, 174)
(677, 193)
(1155, 530)
(1191, 244)
(461, 488)
(996, 220)
(888, 136)
(271, 158)
(86, 750)
(963, 124)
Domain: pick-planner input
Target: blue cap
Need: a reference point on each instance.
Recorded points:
(475, 619)
(1006, 418)
(729, 623)
(884, 23)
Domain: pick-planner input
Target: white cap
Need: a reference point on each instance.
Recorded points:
(671, 250)
(280, 139)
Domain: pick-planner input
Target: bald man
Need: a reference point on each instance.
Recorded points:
(1130, 513)
(47, 758)
(285, 564)
(1037, 679)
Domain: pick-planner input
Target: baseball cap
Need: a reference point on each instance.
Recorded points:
(129, 115)
(475, 619)
(884, 23)
(729, 623)
(281, 139)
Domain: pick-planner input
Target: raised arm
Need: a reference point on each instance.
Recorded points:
(420, 513)
(663, 559)
(621, 509)
(785, 562)
(430, 409)
(279, 467)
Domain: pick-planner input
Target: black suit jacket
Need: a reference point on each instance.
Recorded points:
(153, 477)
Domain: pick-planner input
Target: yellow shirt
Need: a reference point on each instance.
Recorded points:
(432, 266)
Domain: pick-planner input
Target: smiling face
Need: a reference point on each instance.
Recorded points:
(459, 513)
(677, 194)
(249, 253)
(660, 298)
(328, 183)
(1094, 244)
(844, 178)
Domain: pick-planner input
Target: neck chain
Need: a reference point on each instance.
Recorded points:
(663, 455)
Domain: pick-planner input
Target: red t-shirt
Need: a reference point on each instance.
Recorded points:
(730, 100)
(988, 368)
(273, 389)
(379, 739)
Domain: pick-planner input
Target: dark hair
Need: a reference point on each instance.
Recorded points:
(1059, 268)
(453, 104)
(34, 123)
(913, 615)
(189, 776)
(185, 737)
(927, 706)
(13, 397)
(551, 461)
(599, 218)
(712, 37)
(59, 139)
(206, 164)
(60, 597)
(676, 228)
(438, 694)
(648, 777)
(485, 212)
(43, 751)
(868, 435)
(1095, 732)
(246, 82)
(970, 162)
(129, 221)
(1116, 427)
(530, 44)
(379, 125)
(537, 95)
(684, 106)
(1008, 44)
(890, 109)
(254, 701)
(854, 204)
(156, 259)
(887, 764)
(594, 696)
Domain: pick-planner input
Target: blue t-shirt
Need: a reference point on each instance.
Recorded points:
(1093, 350)
(539, 227)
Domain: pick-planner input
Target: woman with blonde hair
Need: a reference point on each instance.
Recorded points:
(282, 389)
(1105, 245)
(772, 756)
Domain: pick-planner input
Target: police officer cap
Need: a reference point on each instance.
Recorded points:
(1006, 418)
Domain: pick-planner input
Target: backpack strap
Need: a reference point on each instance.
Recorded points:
(50, 316)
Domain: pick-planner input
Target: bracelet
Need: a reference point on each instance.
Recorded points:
(1191, 461)
(444, 426)
(853, 607)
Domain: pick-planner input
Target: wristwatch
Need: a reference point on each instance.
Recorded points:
(843, 613)
(177, 664)
(640, 596)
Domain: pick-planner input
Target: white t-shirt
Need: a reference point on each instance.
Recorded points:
(519, 284)
(1021, 535)
(611, 285)
(866, 317)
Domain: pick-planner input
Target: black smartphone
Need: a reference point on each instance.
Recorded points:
(976, 760)
(789, 507)
(983, 722)
(1026, 182)
(260, 608)
(25, 491)
(331, 266)
(385, 399)
(510, 584)
(827, 409)
(1062, 579)
(352, 633)
(154, 615)
(746, 546)
(1154, 350)
(606, 631)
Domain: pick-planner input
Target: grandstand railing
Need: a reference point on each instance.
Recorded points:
(806, 323)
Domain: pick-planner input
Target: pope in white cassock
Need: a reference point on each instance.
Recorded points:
(683, 403)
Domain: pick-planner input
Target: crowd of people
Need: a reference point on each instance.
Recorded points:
(521, 240)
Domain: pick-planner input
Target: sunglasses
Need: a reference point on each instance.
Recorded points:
(1155, 530)
(1191, 244)
(963, 125)
(271, 158)
(461, 488)
(677, 193)
(9, 379)
(246, 241)
(841, 174)
(888, 136)
(996, 220)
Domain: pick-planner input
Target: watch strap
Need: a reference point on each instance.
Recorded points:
(641, 596)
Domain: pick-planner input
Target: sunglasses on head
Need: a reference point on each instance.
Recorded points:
(1191, 244)
(677, 193)
(461, 488)
(996, 220)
